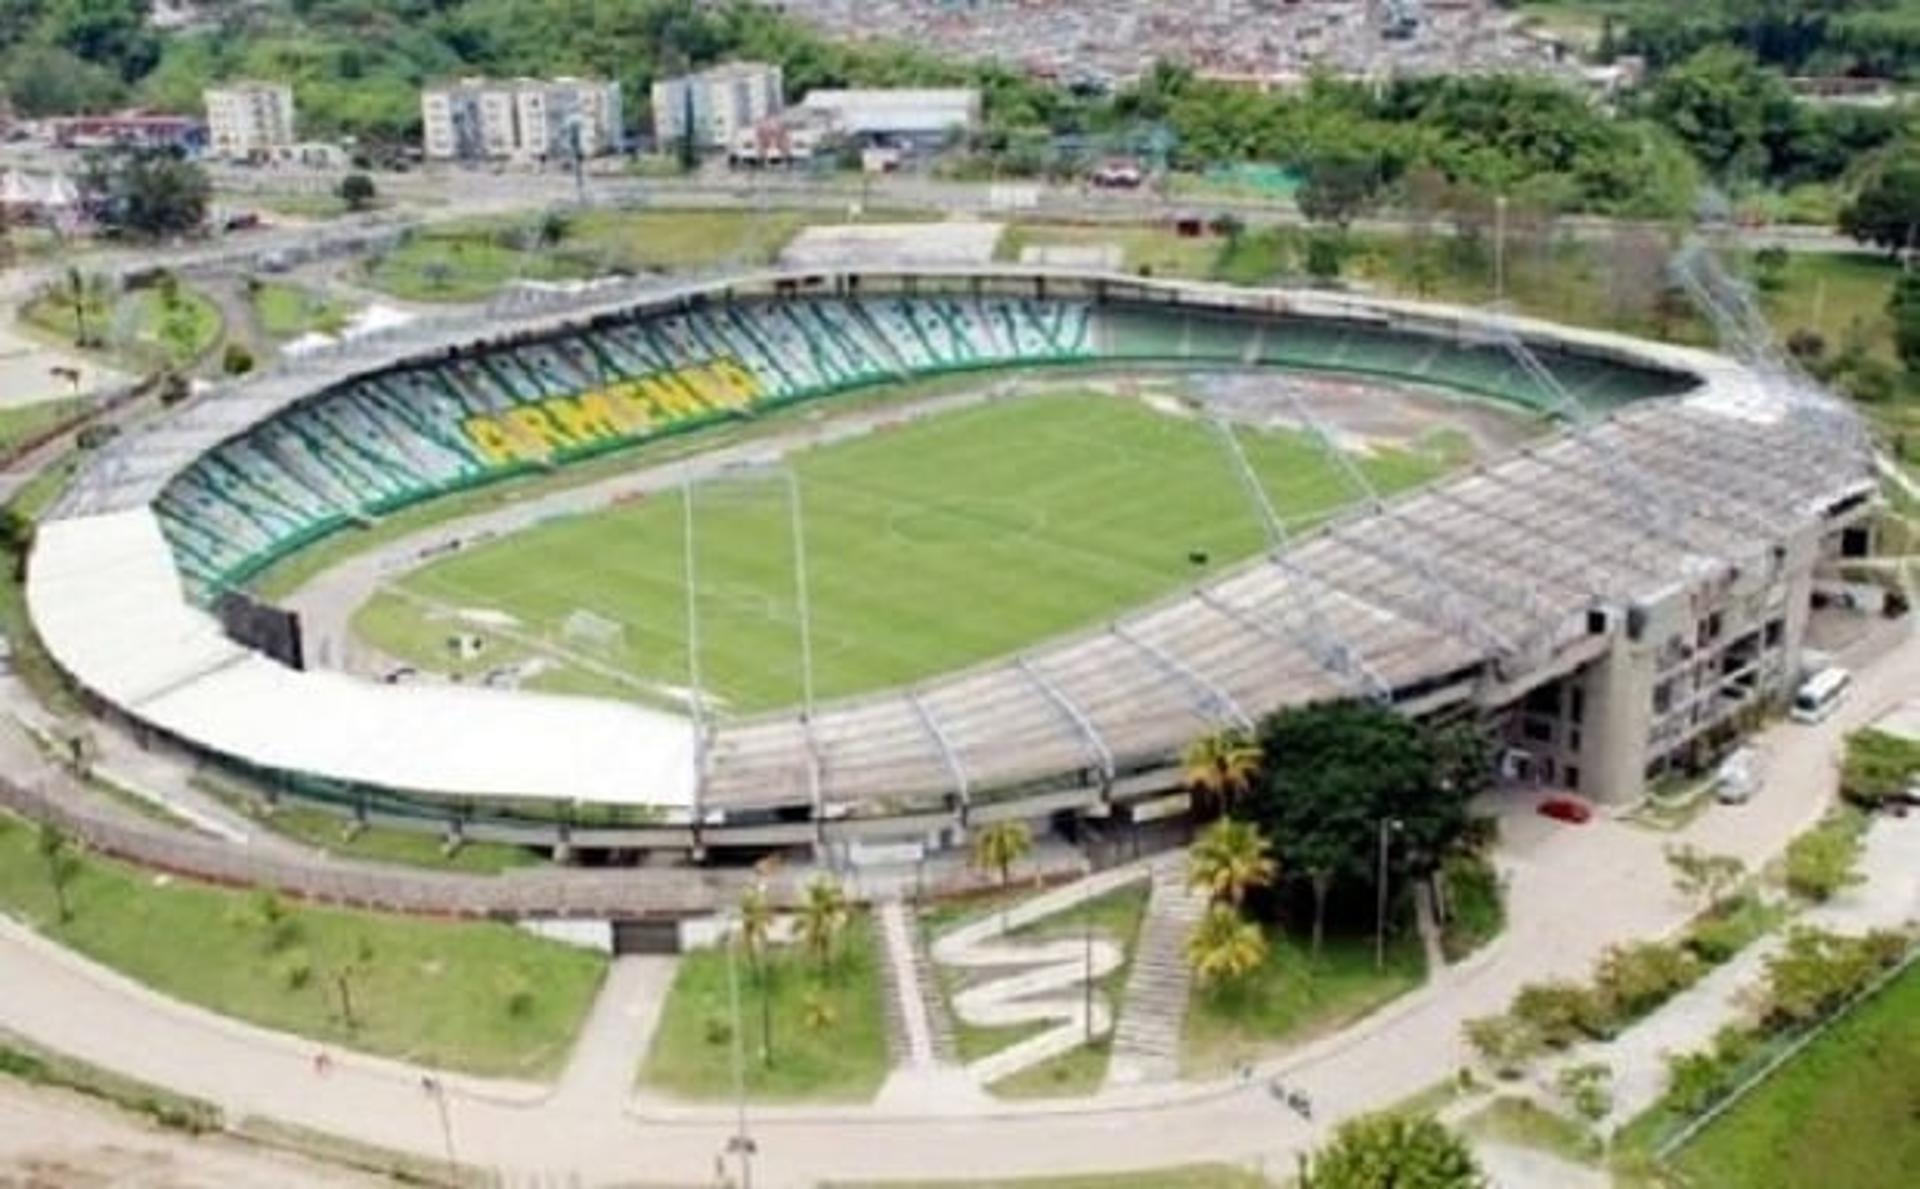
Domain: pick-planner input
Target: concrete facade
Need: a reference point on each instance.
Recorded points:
(248, 121)
(722, 103)
(520, 119)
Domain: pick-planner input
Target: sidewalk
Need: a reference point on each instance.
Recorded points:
(1575, 891)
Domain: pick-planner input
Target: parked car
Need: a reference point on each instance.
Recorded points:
(1566, 809)
(1737, 778)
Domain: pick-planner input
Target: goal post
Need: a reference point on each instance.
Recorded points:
(590, 630)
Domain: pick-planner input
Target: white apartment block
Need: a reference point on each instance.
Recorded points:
(249, 121)
(520, 119)
(723, 102)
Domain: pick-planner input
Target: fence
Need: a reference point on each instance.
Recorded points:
(1758, 1077)
(604, 893)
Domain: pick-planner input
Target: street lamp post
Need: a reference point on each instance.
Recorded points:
(1499, 249)
(1086, 935)
(437, 1090)
(1388, 825)
(740, 1143)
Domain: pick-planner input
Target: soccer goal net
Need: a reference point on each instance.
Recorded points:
(585, 629)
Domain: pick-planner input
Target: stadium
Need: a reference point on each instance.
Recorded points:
(1613, 595)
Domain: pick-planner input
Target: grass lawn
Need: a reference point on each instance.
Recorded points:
(1116, 917)
(466, 263)
(1185, 1176)
(288, 311)
(18, 422)
(140, 325)
(1522, 1123)
(1841, 1115)
(1294, 997)
(1155, 249)
(438, 993)
(950, 540)
(469, 260)
(844, 1059)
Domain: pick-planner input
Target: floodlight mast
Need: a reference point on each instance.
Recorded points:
(1307, 627)
(1743, 331)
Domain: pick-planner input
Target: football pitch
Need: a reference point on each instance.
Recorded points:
(930, 545)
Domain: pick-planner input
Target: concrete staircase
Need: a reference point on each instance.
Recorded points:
(1146, 1042)
(919, 1034)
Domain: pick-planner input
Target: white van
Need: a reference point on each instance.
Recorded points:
(1820, 694)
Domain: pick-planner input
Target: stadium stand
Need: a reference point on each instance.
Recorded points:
(350, 454)
(1474, 589)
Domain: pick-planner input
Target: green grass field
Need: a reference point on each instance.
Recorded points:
(1841, 1115)
(829, 1027)
(954, 539)
(288, 311)
(1295, 997)
(435, 992)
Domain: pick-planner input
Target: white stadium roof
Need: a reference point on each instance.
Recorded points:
(107, 601)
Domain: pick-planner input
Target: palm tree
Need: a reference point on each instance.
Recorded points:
(756, 936)
(823, 915)
(1230, 859)
(1219, 767)
(1225, 947)
(999, 846)
(56, 851)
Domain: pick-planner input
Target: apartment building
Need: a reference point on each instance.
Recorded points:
(521, 119)
(722, 103)
(247, 121)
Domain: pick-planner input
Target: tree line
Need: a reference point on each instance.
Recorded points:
(1717, 102)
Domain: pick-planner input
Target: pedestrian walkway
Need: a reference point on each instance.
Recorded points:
(1887, 897)
(613, 1043)
(903, 980)
(1153, 1009)
(1576, 891)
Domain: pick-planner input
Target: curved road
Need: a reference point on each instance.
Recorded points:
(1573, 892)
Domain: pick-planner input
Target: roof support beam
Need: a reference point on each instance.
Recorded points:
(1325, 648)
(1096, 746)
(1213, 700)
(961, 786)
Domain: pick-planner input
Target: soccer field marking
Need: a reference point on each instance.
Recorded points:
(1065, 509)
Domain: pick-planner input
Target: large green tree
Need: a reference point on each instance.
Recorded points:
(1727, 108)
(1886, 211)
(1394, 1151)
(1335, 772)
(147, 192)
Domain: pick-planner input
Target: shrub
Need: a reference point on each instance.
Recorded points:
(236, 360)
(1504, 1043)
(519, 998)
(1588, 1088)
(717, 1031)
(1563, 1013)
(296, 970)
(1636, 978)
(1878, 766)
(1822, 861)
(1816, 972)
(1719, 936)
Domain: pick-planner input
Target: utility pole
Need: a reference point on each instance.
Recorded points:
(740, 1143)
(1086, 935)
(437, 1090)
(1499, 249)
(1380, 919)
(801, 601)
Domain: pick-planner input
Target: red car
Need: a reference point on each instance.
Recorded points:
(1566, 809)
